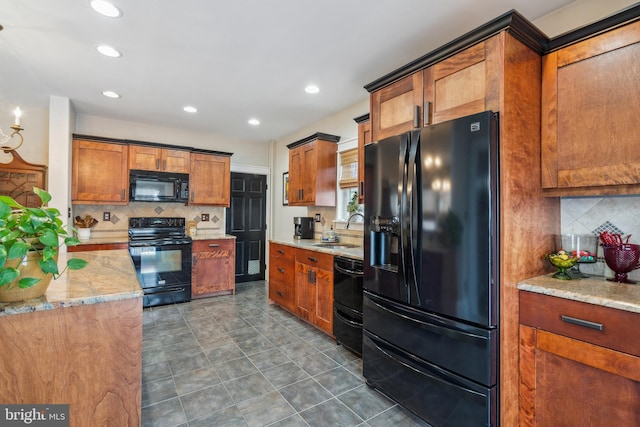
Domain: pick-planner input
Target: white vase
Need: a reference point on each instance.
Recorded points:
(84, 233)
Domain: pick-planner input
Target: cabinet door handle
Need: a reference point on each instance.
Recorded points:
(164, 165)
(122, 194)
(281, 270)
(416, 116)
(192, 196)
(427, 113)
(213, 245)
(312, 259)
(281, 294)
(157, 163)
(195, 259)
(280, 251)
(583, 323)
(311, 277)
(361, 189)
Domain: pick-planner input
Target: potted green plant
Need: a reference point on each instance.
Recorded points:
(353, 206)
(30, 238)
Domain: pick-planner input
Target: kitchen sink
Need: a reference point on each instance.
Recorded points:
(336, 245)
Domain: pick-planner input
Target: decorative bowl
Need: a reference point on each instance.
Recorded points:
(621, 259)
(562, 261)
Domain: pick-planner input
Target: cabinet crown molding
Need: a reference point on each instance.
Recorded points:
(520, 28)
(310, 138)
(149, 144)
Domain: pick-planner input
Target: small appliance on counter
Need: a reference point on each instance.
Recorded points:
(303, 227)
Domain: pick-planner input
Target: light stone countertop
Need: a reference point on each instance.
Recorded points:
(593, 290)
(210, 236)
(109, 276)
(315, 245)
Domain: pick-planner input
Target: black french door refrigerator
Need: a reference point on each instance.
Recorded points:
(430, 310)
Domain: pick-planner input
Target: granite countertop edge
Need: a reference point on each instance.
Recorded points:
(592, 290)
(355, 253)
(108, 276)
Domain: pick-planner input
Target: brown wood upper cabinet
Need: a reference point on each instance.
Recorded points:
(312, 171)
(364, 138)
(465, 83)
(151, 158)
(589, 119)
(209, 180)
(100, 173)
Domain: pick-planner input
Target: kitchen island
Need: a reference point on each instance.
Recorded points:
(80, 344)
(579, 352)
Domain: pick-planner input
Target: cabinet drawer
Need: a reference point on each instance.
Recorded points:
(315, 259)
(213, 245)
(281, 252)
(603, 326)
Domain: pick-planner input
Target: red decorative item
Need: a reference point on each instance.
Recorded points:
(622, 258)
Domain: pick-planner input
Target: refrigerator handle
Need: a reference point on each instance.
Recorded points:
(413, 190)
(402, 206)
(416, 116)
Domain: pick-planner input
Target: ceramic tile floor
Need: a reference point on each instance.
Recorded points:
(239, 361)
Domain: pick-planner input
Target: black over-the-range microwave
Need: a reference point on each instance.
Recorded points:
(150, 186)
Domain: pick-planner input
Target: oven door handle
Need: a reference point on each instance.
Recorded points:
(146, 244)
(347, 271)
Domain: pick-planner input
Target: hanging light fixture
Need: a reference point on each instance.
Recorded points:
(16, 131)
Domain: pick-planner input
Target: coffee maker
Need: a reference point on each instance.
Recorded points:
(303, 227)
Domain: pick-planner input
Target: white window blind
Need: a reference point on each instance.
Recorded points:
(348, 169)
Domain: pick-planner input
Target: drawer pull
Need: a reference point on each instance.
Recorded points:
(584, 323)
(312, 259)
(280, 251)
(213, 245)
(280, 294)
(281, 270)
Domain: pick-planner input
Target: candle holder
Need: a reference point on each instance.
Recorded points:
(16, 131)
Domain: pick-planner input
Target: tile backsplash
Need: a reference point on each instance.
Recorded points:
(589, 215)
(119, 222)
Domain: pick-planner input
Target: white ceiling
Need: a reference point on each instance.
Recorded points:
(233, 59)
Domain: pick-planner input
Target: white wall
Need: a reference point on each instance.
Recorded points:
(61, 124)
(340, 124)
(578, 14)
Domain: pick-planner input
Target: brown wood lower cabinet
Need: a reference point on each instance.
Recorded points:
(301, 281)
(213, 267)
(579, 364)
(86, 356)
(282, 286)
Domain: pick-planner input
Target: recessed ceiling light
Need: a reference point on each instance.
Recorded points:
(108, 51)
(110, 94)
(190, 109)
(105, 8)
(312, 89)
(254, 122)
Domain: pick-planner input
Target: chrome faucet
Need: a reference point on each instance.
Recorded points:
(351, 217)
